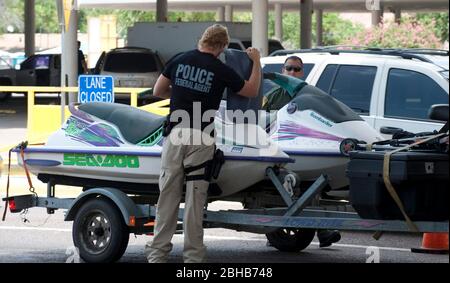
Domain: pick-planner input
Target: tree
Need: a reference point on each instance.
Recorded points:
(335, 29)
(46, 17)
(408, 34)
(11, 15)
(439, 22)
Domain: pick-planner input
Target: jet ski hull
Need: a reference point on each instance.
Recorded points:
(141, 166)
(310, 166)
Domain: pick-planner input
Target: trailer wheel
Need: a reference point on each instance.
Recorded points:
(99, 231)
(291, 240)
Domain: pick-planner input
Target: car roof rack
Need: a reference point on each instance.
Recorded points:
(405, 53)
(125, 48)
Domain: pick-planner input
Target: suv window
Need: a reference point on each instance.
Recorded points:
(131, 63)
(349, 84)
(234, 45)
(327, 77)
(410, 94)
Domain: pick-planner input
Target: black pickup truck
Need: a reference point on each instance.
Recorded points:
(36, 70)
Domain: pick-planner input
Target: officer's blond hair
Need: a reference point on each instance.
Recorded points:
(215, 37)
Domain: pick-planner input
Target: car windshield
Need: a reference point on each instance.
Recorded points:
(42, 62)
(441, 61)
(131, 63)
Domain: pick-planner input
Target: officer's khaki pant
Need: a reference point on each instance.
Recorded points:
(176, 157)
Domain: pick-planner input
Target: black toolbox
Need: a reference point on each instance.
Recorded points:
(421, 179)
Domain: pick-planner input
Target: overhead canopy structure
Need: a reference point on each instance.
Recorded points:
(224, 10)
(288, 5)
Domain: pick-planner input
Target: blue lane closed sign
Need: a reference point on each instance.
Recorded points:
(95, 89)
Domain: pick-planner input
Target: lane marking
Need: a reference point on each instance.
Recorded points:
(7, 111)
(34, 228)
(210, 237)
(365, 247)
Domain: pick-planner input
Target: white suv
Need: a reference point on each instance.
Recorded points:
(390, 89)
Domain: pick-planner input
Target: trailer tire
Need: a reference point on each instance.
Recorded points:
(291, 240)
(99, 231)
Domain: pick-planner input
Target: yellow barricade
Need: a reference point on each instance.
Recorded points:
(42, 120)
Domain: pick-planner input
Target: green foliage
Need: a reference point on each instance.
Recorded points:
(337, 30)
(11, 15)
(439, 22)
(191, 16)
(408, 34)
(46, 16)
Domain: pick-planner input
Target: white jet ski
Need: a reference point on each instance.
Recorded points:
(314, 129)
(116, 145)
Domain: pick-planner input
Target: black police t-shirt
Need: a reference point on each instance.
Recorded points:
(199, 79)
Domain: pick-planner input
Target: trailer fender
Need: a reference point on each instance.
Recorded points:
(126, 206)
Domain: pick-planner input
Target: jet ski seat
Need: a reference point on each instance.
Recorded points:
(134, 124)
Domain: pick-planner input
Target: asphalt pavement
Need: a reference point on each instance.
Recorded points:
(48, 239)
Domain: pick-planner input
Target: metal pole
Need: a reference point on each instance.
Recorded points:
(71, 53)
(398, 15)
(278, 22)
(30, 27)
(228, 13)
(377, 16)
(260, 37)
(306, 8)
(220, 14)
(60, 10)
(161, 10)
(319, 27)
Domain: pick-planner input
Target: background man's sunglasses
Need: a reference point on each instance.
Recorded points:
(290, 68)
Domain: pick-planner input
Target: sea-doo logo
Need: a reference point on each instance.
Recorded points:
(321, 119)
(92, 160)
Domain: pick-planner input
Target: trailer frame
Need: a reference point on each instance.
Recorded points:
(298, 213)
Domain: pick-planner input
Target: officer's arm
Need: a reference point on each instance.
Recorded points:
(162, 87)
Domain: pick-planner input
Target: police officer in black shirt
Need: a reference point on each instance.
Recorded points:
(195, 82)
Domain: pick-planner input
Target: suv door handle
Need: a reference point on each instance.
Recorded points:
(390, 130)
